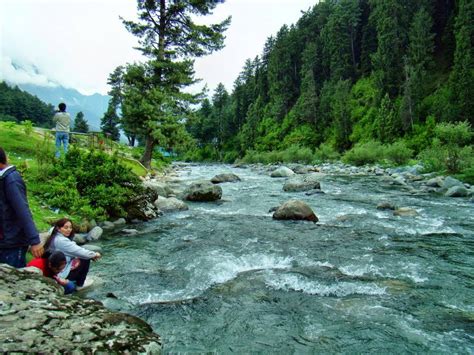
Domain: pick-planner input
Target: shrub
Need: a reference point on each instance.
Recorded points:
(27, 127)
(91, 183)
(326, 152)
(454, 136)
(365, 153)
(397, 153)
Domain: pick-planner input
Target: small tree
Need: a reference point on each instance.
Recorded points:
(80, 124)
(454, 136)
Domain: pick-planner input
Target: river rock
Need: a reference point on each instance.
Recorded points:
(202, 191)
(457, 191)
(405, 212)
(119, 221)
(130, 231)
(161, 188)
(450, 182)
(386, 205)
(295, 210)
(225, 178)
(80, 238)
(107, 225)
(435, 182)
(170, 204)
(282, 171)
(36, 317)
(95, 233)
(302, 183)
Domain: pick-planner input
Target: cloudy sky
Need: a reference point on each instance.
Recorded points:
(77, 43)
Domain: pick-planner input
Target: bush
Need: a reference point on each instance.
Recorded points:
(91, 183)
(297, 154)
(397, 153)
(326, 152)
(365, 153)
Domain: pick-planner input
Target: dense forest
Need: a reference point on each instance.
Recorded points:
(347, 73)
(17, 106)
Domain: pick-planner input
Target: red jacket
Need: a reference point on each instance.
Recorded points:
(41, 264)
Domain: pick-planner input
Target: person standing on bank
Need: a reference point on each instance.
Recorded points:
(63, 122)
(17, 229)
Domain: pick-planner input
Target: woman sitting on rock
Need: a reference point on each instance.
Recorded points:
(51, 264)
(77, 258)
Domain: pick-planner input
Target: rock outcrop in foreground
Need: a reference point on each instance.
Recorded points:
(36, 318)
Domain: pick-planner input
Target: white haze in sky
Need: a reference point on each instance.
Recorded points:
(78, 43)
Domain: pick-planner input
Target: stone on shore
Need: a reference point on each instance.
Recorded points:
(37, 318)
(457, 191)
(295, 210)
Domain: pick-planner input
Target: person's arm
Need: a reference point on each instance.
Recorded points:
(70, 248)
(15, 193)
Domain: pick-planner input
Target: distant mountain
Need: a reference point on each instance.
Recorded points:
(92, 106)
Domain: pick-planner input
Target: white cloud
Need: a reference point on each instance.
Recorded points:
(77, 43)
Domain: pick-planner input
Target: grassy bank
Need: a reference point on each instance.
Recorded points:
(51, 188)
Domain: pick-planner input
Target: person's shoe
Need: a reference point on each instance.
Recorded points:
(89, 281)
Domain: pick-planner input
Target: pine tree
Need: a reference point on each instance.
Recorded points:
(168, 36)
(80, 123)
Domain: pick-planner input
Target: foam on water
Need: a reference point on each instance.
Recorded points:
(291, 282)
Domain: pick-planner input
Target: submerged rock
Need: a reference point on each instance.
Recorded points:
(457, 191)
(295, 210)
(225, 178)
(405, 212)
(37, 318)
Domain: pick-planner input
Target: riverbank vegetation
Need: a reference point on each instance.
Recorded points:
(367, 81)
(90, 183)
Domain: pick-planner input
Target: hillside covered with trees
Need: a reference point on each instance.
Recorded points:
(17, 105)
(349, 73)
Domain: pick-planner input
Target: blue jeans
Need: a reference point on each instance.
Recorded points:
(69, 288)
(61, 137)
(15, 257)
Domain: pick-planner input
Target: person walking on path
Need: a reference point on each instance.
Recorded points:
(63, 122)
(17, 229)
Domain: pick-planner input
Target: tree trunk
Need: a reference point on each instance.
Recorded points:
(148, 153)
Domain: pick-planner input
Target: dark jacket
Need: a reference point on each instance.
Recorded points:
(16, 222)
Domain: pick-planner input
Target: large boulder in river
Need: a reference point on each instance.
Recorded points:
(282, 171)
(450, 182)
(37, 318)
(202, 191)
(229, 177)
(302, 183)
(170, 204)
(457, 191)
(295, 210)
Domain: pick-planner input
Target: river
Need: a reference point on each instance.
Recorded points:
(225, 277)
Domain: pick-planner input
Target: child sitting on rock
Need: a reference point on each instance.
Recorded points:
(51, 264)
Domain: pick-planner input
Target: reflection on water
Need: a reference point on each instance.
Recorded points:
(225, 277)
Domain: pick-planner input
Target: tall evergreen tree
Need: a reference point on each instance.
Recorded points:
(109, 123)
(168, 36)
(418, 60)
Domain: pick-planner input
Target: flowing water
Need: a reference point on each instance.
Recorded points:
(225, 277)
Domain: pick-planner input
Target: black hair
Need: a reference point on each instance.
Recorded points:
(3, 156)
(56, 259)
(62, 107)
